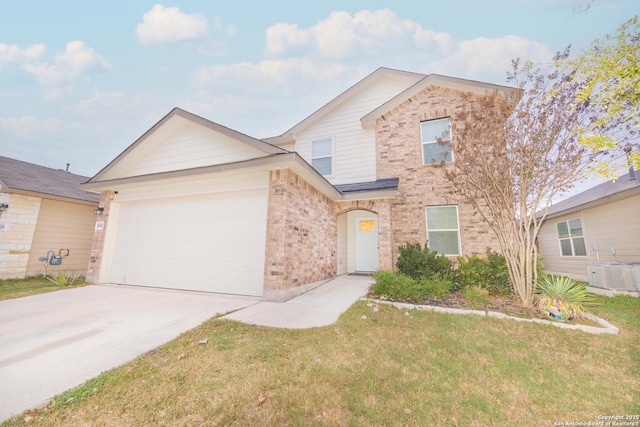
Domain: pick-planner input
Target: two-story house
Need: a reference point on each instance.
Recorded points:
(195, 205)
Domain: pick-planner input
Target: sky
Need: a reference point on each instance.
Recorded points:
(80, 81)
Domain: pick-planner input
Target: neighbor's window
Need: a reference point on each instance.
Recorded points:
(443, 230)
(436, 141)
(571, 238)
(322, 156)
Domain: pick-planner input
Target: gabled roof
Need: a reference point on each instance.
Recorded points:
(21, 177)
(600, 194)
(178, 112)
(341, 99)
(463, 85)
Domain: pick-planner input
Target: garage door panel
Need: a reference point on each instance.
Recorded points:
(212, 242)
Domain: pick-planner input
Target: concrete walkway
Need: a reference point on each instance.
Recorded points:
(319, 307)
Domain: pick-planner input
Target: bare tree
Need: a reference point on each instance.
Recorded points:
(515, 153)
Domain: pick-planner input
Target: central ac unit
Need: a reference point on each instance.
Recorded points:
(615, 276)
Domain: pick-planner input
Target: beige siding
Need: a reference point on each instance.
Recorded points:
(62, 225)
(193, 146)
(290, 147)
(355, 148)
(614, 225)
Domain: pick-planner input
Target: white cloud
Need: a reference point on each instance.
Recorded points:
(382, 38)
(365, 33)
(14, 53)
(282, 38)
(285, 75)
(77, 59)
(168, 24)
(484, 56)
(431, 41)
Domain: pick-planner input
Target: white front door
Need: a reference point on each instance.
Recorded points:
(367, 244)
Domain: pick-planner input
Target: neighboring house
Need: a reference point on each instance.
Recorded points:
(194, 205)
(42, 210)
(601, 224)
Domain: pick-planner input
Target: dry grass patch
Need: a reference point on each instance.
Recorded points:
(18, 288)
(377, 366)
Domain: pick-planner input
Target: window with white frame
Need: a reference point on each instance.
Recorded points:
(436, 141)
(322, 156)
(443, 229)
(571, 238)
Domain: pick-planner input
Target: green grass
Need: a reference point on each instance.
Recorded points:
(18, 288)
(375, 366)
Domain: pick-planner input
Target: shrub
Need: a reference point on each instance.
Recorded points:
(398, 286)
(435, 286)
(64, 279)
(394, 286)
(561, 298)
(417, 262)
(490, 273)
(475, 294)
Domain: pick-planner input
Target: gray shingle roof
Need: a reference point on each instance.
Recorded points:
(379, 184)
(19, 175)
(598, 193)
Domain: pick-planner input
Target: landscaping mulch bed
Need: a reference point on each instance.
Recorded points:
(501, 304)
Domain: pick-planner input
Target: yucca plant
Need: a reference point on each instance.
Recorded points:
(561, 298)
(64, 279)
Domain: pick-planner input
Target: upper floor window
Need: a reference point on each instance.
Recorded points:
(443, 229)
(571, 238)
(436, 141)
(322, 156)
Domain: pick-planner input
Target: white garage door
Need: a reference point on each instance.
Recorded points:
(212, 242)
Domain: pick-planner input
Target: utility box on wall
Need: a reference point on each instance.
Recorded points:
(614, 276)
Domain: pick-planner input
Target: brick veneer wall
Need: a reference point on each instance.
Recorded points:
(97, 245)
(19, 221)
(398, 154)
(301, 234)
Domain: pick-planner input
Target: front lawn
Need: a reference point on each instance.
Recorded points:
(377, 365)
(17, 288)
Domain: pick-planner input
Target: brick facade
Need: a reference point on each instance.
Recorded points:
(398, 146)
(97, 245)
(301, 234)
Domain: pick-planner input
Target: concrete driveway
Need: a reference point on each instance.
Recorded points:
(52, 342)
